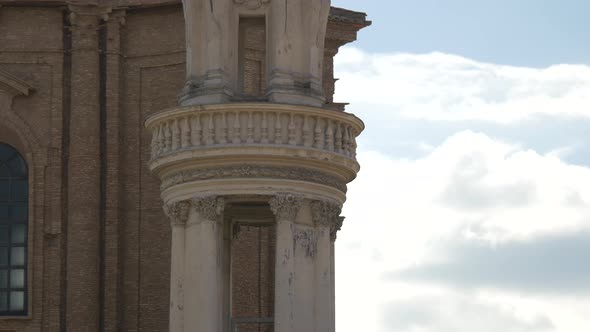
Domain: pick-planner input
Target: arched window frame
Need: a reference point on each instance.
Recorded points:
(14, 232)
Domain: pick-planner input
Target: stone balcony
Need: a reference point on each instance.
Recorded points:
(247, 148)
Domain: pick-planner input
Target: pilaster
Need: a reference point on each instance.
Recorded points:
(83, 229)
(211, 49)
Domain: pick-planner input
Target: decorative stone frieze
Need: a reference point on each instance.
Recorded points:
(285, 206)
(209, 207)
(253, 172)
(177, 212)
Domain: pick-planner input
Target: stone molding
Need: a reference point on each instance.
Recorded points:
(177, 212)
(286, 206)
(234, 172)
(209, 207)
(252, 4)
(327, 214)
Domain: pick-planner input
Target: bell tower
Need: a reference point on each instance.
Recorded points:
(254, 167)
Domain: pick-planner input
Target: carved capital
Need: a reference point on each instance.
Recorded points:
(285, 206)
(177, 212)
(327, 214)
(336, 227)
(324, 213)
(209, 207)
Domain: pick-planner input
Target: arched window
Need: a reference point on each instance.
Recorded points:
(13, 232)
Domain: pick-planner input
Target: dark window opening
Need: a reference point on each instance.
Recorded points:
(252, 56)
(14, 191)
(252, 277)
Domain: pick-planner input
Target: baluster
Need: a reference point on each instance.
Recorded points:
(168, 136)
(154, 142)
(175, 135)
(292, 132)
(250, 131)
(223, 129)
(347, 145)
(236, 139)
(278, 130)
(264, 129)
(196, 131)
(211, 130)
(319, 144)
(161, 140)
(186, 133)
(329, 136)
(338, 138)
(353, 144)
(307, 133)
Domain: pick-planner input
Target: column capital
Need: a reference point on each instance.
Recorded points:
(209, 207)
(177, 212)
(327, 214)
(285, 206)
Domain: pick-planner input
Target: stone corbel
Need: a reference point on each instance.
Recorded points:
(285, 206)
(177, 212)
(209, 207)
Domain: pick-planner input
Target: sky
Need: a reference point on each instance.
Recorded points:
(471, 211)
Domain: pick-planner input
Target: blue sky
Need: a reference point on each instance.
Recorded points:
(517, 32)
(471, 211)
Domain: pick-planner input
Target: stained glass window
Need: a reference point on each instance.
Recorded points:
(13, 232)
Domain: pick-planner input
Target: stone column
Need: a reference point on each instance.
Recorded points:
(325, 217)
(178, 213)
(211, 45)
(296, 46)
(83, 228)
(203, 266)
(285, 207)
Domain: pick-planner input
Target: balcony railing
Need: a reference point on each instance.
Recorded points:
(249, 124)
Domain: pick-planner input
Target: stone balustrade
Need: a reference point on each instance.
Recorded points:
(253, 124)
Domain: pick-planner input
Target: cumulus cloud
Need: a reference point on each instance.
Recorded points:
(443, 87)
(476, 211)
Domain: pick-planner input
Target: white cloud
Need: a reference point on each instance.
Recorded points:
(444, 87)
(401, 212)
